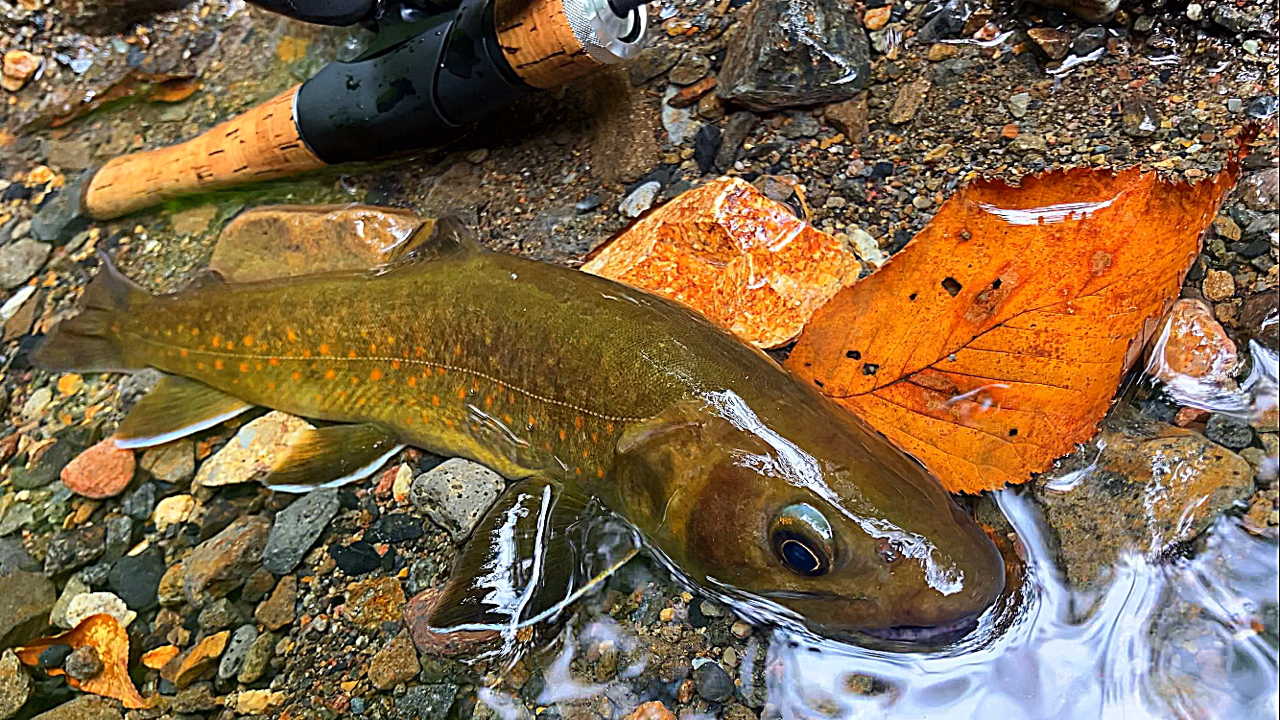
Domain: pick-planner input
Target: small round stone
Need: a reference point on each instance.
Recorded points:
(83, 664)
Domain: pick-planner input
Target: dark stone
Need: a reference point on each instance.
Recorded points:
(357, 558)
(706, 144)
(119, 537)
(135, 578)
(583, 206)
(949, 20)
(713, 683)
(651, 62)
(61, 217)
(73, 549)
(54, 655)
(1088, 40)
(1253, 319)
(1229, 432)
(735, 132)
(26, 598)
(398, 527)
(140, 503)
(218, 615)
(773, 65)
(46, 468)
(1232, 18)
(297, 528)
(427, 702)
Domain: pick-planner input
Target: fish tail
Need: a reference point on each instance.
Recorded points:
(90, 341)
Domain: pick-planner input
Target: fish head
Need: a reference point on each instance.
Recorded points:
(818, 516)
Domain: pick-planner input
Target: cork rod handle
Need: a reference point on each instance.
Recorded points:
(261, 144)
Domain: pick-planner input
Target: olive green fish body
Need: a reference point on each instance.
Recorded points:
(743, 477)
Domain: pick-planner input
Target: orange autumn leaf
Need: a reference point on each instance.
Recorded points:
(994, 342)
(739, 258)
(104, 634)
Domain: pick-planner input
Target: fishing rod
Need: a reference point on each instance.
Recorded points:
(430, 73)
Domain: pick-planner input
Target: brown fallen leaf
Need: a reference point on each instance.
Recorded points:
(104, 634)
(994, 342)
(736, 256)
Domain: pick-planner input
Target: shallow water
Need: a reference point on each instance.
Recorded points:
(1163, 640)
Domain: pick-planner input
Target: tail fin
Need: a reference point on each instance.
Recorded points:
(87, 342)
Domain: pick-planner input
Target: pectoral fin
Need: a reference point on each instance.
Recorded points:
(332, 456)
(536, 551)
(175, 408)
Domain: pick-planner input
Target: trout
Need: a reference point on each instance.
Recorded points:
(623, 419)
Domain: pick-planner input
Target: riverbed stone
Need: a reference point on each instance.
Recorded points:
(20, 260)
(773, 63)
(253, 451)
(136, 579)
(85, 707)
(233, 657)
(278, 609)
(427, 702)
(173, 462)
(1141, 485)
(15, 684)
(297, 528)
(395, 663)
(455, 495)
(223, 562)
(99, 603)
(25, 601)
(374, 601)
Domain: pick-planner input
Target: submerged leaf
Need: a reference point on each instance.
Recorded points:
(994, 342)
(739, 258)
(104, 634)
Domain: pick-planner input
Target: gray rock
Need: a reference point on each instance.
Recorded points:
(297, 528)
(237, 651)
(795, 52)
(141, 502)
(1229, 432)
(651, 62)
(73, 549)
(15, 684)
(1261, 190)
(801, 125)
(18, 516)
(1028, 143)
(640, 199)
(426, 702)
(195, 698)
(735, 133)
(14, 556)
(1231, 18)
(119, 537)
(681, 123)
(20, 260)
(218, 615)
(61, 217)
(134, 386)
(26, 600)
(1088, 40)
(173, 462)
(456, 494)
(713, 683)
(1018, 105)
(84, 663)
(85, 707)
(74, 588)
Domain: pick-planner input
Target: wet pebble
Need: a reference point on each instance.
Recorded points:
(909, 100)
(297, 528)
(706, 145)
(102, 471)
(1018, 104)
(1261, 190)
(140, 503)
(253, 451)
(36, 403)
(456, 493)
(375, 601)
(218, 615)
(713, 683)
(173, 462)
(257, 659)
(801, 125)
(1218, 285)
(136, 579)
(83, 664)
(223, 562)
(15, 684)
(394, 664)
(651, 62)
(1088, 40)
(587, 204)
(397, 527)
(1262, 107)
(20, 260)
(277, 610)
(1196, 345)
(1229, 432)
(691, 68)
(1054, 43)
(73, 549)
(173, 510)
(1140, 117)
(55, 655)
(85, 707)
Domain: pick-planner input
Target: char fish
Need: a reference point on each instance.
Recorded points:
(624, 420)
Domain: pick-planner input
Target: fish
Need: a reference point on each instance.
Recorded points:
(624, 422)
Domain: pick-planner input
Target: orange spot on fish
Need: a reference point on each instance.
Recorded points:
(585, 454)
(506, 419)
(488, 401)
(457, 349)
(448, 422)
(296, 376)
(411, 382)
(395, 364)
(360, 402)
(217, 364)
(373, 349)
(600, 472)
(183, 352)
(257, 366)
(435, 399)
(547, 445)
(462, 393)
(324, 348)
(195, 332)
(375, 375)
(439, 371)
(274, 362)
(355, 380)
(577, 422)
(215, 342)
(351, 354)
(608, 427)
(577, 471)
(562, 434)
(244, 367)
(199, 366)
(420, 350)
(330, 374)
(530, 421)
(595, 437)
(306, 353)
(291, 335)
(475, 385)
(248, 341)
(271, 385)
(319, 397)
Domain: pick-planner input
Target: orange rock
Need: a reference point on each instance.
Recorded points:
(691, 94)
(375, 601)
(652, 710)
(19, 66)
(159, 657)
(731, 253)
(1193, 344)
(877, 18)
(187, 667)
(1009, 131)
(102, 471)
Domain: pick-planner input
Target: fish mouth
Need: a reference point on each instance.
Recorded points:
(925, 634)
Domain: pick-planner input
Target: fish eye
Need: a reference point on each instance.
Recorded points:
(802, 540)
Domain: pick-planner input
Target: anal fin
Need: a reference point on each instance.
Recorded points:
(332, 456)
(535, 552)
(175, 408)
